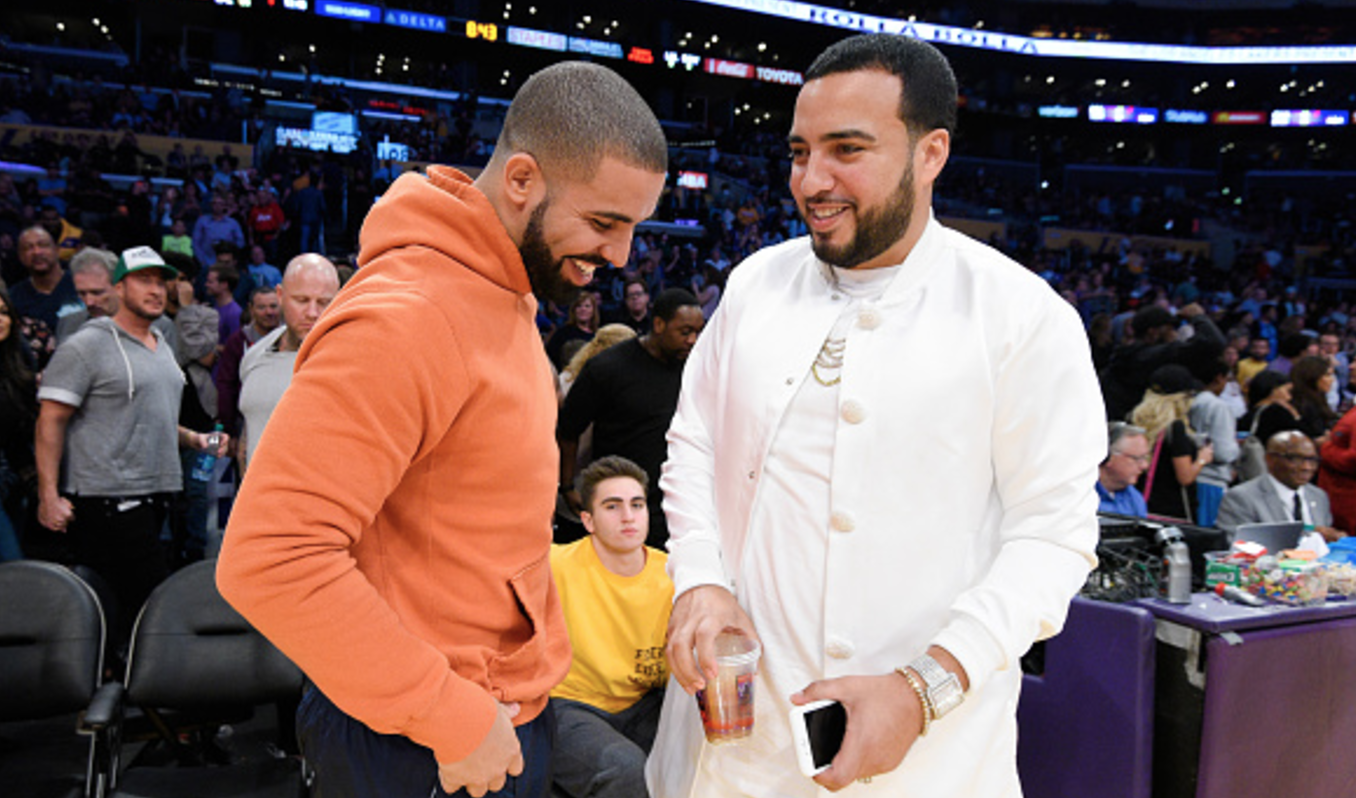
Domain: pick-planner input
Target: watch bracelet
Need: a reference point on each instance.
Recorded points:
(934, 676)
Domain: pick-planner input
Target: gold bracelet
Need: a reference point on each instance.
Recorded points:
(922, 697)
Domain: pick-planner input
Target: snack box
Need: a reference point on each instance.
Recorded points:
(1221, 568)
(1341, 579)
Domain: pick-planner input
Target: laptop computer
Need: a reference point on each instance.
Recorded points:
(1277, 537)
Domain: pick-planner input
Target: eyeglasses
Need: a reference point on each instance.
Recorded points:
(1142, 458)
(1299, 458)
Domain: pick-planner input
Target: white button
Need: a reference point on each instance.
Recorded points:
(839, 648)
(868, 319)
(790, 380)
(836, 297)
(842, 521)
(853, 412)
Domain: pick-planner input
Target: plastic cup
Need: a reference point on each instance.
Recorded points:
(726, 703)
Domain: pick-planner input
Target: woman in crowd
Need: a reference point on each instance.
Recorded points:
(608, 335)
(1270, 408)
(1177, 458)
(18, 414)
(580, 325)
(1311, 378)
(706, 287)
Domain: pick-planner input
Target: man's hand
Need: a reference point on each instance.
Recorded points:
(55, 513)
(699, 615)
(204, 441)
(573, 500)
(1330, 534)
(884, 717)
(489, 766)
(184, 290)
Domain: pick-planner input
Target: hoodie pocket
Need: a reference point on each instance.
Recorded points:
(514, 674)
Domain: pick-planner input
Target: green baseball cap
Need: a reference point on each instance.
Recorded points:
(138, 258)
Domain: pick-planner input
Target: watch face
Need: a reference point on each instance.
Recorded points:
(946, 696)
(943, 687)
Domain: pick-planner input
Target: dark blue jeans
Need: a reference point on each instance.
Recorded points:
(352, 761)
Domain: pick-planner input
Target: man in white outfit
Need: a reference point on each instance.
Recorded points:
(895, 520)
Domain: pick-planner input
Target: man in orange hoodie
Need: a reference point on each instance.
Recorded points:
(393, 535)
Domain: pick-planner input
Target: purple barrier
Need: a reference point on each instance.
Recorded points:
(1085, 727)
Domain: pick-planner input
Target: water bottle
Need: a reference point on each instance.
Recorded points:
(1178, 559)
(206, 463)
(1176, 564)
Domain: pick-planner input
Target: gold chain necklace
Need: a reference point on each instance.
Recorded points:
(830, 357)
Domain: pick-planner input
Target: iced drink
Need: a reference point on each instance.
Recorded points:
(726, 702)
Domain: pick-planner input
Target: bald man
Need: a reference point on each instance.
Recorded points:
(1283, 493)
(308, 286)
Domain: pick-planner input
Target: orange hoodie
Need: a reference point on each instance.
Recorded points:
(393, 535)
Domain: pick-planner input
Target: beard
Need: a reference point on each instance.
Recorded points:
(877, 229)
(544, 269)
(145, 313)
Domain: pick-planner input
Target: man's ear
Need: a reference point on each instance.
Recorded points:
(524, 185)
(931, 155)
(586, 518)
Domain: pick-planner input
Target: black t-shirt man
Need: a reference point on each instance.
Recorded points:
(629, 396)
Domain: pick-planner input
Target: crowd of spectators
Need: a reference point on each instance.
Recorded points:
(213, 202)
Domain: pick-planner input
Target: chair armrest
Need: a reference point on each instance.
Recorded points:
(104, 708)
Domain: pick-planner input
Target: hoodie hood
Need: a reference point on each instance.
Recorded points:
(439, 211)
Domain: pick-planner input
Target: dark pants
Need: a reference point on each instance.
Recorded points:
(602, 754)
(352, 761)
(119, 538)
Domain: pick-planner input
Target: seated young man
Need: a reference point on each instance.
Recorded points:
(616, 596)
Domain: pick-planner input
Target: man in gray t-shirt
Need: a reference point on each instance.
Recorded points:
(110, 411)
(307, 288)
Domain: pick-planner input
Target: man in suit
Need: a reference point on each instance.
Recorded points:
(1283, 493)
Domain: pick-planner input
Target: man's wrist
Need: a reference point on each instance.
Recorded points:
(944, 691)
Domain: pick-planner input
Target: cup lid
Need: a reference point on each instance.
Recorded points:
(736, 648)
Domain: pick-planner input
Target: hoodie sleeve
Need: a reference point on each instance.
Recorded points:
(345, 434)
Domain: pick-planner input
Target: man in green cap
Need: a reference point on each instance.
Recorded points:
(110, 410)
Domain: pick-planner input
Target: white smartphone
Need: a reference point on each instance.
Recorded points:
(817, 731)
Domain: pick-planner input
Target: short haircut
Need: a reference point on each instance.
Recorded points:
(226, 274)
(607, 468)
(186, 264)
(1149, 318)
(93, 259)
(1293, 345)
(1210, 369)
(34, 229)
(630, 281)
(929, 99)
(668, 302)
(1116, 431)
(261, 290)
(1262, 384)
(571, 115)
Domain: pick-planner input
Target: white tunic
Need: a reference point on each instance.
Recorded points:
(954, 505)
